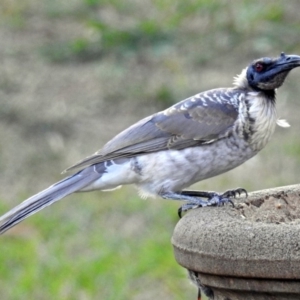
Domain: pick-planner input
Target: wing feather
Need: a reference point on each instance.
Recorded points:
(199, 119)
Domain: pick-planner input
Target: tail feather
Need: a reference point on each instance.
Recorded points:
(47, 197)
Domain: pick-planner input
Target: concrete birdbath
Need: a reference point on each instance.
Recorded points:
(251, 251)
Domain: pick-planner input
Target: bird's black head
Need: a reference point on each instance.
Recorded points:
(266, 74)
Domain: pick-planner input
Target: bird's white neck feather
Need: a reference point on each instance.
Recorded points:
(263, 111)
(240, 81)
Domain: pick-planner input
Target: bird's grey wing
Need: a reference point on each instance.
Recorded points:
(199, 119)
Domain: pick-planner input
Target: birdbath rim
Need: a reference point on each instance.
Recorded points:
(258, 238)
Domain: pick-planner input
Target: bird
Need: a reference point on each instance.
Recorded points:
(197, 138)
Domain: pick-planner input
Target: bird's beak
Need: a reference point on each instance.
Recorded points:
(287, 62)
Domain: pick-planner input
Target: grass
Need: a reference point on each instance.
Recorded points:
(91, 248)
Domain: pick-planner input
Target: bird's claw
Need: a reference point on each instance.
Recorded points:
(234, 193)
(214, 199)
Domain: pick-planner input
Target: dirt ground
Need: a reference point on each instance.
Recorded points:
(280, 207)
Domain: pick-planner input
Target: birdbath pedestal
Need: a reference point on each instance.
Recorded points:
(250, 251)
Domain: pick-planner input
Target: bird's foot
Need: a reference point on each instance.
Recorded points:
(213, 199)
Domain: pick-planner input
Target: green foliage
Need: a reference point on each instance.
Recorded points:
(164, 97)
(70, 252)
(77, 50)
(220, 26)
(143, 34)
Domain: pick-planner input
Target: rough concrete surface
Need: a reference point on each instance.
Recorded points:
(254, 246)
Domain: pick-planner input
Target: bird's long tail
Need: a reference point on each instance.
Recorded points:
(47, 197)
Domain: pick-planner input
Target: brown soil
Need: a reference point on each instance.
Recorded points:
(282, 207)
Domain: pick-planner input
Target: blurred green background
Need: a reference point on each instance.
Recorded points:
(73, 73)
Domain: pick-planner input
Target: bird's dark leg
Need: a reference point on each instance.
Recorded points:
(184, 197)
(194, 200)
(229, 193)
(201, 288)
(213, 198)
(199, 294)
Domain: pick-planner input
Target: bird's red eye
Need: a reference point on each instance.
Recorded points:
(259, 67)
